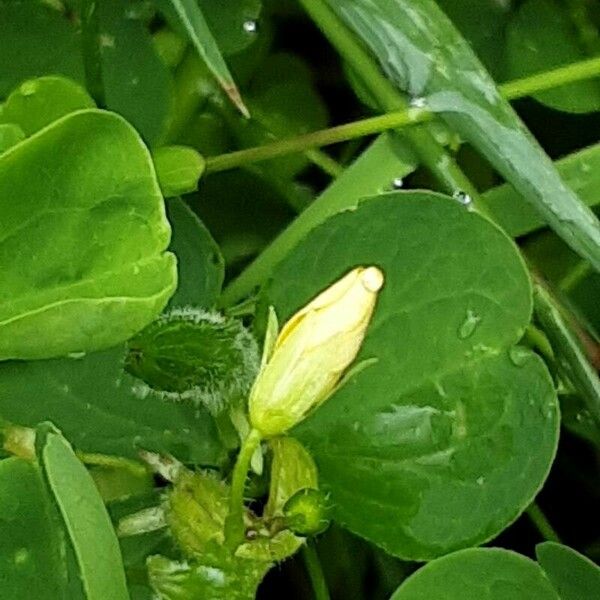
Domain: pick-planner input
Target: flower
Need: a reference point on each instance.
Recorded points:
(312, 351)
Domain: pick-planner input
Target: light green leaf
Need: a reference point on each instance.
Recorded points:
(39, 102)
(31, 540)
(88, 525)
(82, 254)
(429, 449)
(199, 260)
(478, 574)
(448, 79)
(373, 171)
(178, 168)
(93, 402)
(10, 134)
(573, 576)
(540, 37)
(187, 16)
(137, 84)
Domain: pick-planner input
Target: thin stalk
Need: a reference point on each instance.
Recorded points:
(91, 51)
(315, 571)
(234, 523)
(538, 518)
(512, 90)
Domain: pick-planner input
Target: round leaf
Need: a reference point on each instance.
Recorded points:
(83, 235)
(478, 574)
(429, 449)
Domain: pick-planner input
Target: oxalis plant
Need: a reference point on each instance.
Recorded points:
(294, 303)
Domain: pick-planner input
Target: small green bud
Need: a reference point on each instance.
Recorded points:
(192, 354)
(178, 169)
(312, 352)
(306, 512)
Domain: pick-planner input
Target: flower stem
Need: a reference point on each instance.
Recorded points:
(234, 523)
(538, 518)
(513, 90)
(315, 571)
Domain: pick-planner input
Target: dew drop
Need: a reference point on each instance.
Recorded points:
(418, 102)
(250, 26)
(76, 355)
(469, 325)
(463, 198)
(397, 183)
(21, 556)
(518, 355)
(480, 480)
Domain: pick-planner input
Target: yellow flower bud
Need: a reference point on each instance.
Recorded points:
(312, 351)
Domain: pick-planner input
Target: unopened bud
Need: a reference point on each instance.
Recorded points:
(312, 351)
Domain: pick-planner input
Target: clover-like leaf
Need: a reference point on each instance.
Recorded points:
(83, 235)
(445, 439)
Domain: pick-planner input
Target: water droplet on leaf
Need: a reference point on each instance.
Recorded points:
(463, 198)
(250, 26)
(469, 325)
(397, 183)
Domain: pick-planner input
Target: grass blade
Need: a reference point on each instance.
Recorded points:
(187, 16)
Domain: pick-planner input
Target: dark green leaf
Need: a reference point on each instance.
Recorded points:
(93, 403)
(31, 540)
(574, 576)
(429, 449)
(540, 37)
(137, 84)
(199, 261)
(478, 574)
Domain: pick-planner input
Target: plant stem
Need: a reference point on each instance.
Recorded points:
(512, 90)
(538, 518)
(90, 46)
(234, 523)
(315, 571)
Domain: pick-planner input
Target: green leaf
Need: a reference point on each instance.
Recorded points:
(39, 102)
(373, 171)
(178, 169)
(187, 16)
(36, 39)
(200, 263)
(573, 576)
(82, 254)
(580, 171)
(234, 24)
(478, 574)
(137, 84)
(94, 403)
(31, 541)
(449, 79)
(87, 522)
(10, 134)
(429, 449)
(199, 260)
(540, 37)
